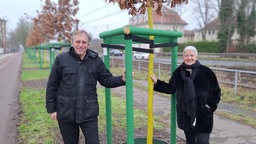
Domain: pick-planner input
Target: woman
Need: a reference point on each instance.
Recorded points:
(197, 94)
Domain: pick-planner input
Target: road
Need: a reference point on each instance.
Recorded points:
(10, 66)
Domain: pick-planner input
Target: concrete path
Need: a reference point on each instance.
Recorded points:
(225, 131)
(9, 93)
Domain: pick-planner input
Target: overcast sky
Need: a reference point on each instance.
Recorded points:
(95, 15)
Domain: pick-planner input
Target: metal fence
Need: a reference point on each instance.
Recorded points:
(236, 78)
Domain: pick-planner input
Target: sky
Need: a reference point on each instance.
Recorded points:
(95, 16)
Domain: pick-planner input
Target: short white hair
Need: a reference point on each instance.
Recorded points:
(190, 48)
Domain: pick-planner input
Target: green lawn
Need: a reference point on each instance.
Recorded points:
(35, 124)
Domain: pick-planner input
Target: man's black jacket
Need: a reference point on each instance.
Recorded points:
(71, 88)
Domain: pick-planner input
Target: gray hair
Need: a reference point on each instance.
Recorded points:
(190, 48)
(80, 32)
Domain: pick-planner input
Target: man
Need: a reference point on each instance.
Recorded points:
(71, 94)
(197, 95)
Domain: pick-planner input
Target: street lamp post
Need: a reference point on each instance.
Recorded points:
(3, 33)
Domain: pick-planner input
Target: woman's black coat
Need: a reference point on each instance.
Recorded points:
(207, 97)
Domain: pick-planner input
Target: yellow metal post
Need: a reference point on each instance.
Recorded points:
(150, 83)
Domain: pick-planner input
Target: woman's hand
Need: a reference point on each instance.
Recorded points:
(154, 79)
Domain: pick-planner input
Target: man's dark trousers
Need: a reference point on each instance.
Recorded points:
(70, 132)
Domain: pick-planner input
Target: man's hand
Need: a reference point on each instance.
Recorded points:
(123, 76)
(54, 116)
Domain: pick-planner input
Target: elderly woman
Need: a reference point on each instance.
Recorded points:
(197, 94)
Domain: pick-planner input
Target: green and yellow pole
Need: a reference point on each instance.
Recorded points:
(150, 83)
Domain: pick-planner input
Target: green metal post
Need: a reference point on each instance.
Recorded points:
(51, 51)
(40, 58)
(173, 97)
(28, 53)
(129, 92)
(31, 54)
(34, 55)
(53, 55)
(50, 55)
(108, 99)
(160, 36)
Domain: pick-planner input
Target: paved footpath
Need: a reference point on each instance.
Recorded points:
(225, 131)
(9, 93)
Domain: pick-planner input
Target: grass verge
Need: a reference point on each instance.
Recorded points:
(36, 126)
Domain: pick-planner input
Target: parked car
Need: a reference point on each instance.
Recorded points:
(141, 55)
(115, 52)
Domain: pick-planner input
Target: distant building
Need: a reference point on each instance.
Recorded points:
(188, 36)
(212, 32)
(170, 20)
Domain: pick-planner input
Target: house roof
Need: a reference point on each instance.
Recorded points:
(168, 17)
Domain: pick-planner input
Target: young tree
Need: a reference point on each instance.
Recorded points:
(227, 24)
(131, 5)
(139, 6)
(43, 29)
(65, 19)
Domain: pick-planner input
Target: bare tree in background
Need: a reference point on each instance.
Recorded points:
(218, 2)
(204, 12)
(18, 36)
(182, 8)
